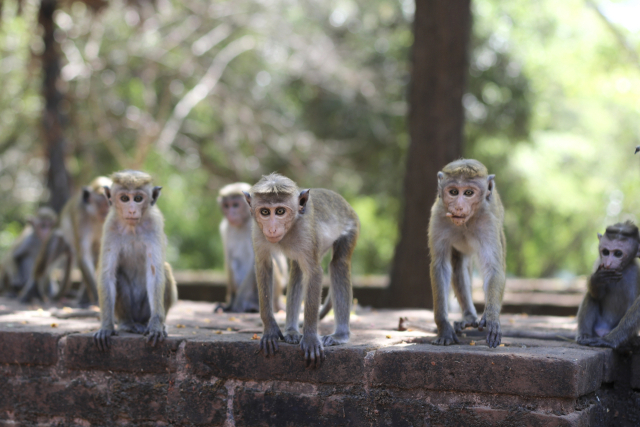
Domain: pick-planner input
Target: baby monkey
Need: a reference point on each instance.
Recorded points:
(16, 268)
(235, 229)
(466, 220)
(135, 284)
(610, 312)
(303, 225)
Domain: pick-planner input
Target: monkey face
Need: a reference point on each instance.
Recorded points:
(274, 220)
(235, 210)
(131, 205)
(616, 254)
(461, 200)
(43, 228)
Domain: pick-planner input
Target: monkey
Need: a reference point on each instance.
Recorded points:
(77, 239)
(466, 220)
(609, 314)
(15, 269)
(135, 283)
(235, 229)
(303, 225)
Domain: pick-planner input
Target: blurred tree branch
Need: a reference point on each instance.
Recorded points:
(622, 40)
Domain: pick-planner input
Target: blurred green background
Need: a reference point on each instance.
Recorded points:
(317, 90)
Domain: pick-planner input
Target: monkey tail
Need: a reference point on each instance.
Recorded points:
(327, 306)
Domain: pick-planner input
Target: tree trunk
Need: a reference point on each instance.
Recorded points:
(53, 121)
(436, 119)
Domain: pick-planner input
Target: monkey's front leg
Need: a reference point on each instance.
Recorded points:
(156, 330)
(493, 303)
(310, 345)
(107, 298)
(292, 333)
(440, 280)
(271, 334)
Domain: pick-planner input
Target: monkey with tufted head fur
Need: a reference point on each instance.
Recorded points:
(610, 311)
(466, 220)
(303, 225)
(235, 229)
(76, 239)
(16, 268)
(135, 284)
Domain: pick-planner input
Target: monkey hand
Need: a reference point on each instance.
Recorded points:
(269, 341)
(469, 321)
(494, 334)
(155, 332)
(312, 349)
(583, 339)
(102, 338)
(446, 336)
(607, 275)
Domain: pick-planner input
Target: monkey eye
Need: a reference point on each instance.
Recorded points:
(235, 205)
(280, 211)
(453, 192)
(124, 198)
(137, 199)
(264, 212)
(617, 253)
(468, 193)
(605, 252)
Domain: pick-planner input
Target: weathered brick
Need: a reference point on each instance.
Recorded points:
(236, 358)
(29, 347)
(543, 371)
(197, 402)
(128, 353)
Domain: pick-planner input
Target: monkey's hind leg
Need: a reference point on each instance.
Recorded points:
(341, 290)
(461, 280)
(124, 307)
(292, 333)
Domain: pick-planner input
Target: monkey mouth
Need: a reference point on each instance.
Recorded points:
(457, 219)
(274, 239)
(132, 219)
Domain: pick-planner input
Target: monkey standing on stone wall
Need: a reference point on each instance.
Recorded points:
(235, 229)
(78, 238)
(610, 312)
(303, 225)
(466, 220)
(16, 268)
(135, 284)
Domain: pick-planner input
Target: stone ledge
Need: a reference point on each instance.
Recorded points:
(207, 373)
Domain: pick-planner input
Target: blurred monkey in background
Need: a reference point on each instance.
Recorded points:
(235, 229)
(77, 238)
(17, 266)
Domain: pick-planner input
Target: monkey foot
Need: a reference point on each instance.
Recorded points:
(313, 351)
(134, 328)
(335, 339)
(155, 334)
(269, 342)
(102, 338)
(292, 337)
(467, 322)
(597, 342)
(494, 334)
(446, 335)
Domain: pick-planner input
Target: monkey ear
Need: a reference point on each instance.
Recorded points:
(440, 177)
(490, 183)
(303, 199)
(86, 194)
(107, 193)
(599, 236)
(31, 220)
(155, 193)
(248, 197)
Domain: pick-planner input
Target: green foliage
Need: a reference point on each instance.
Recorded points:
(321, 97)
